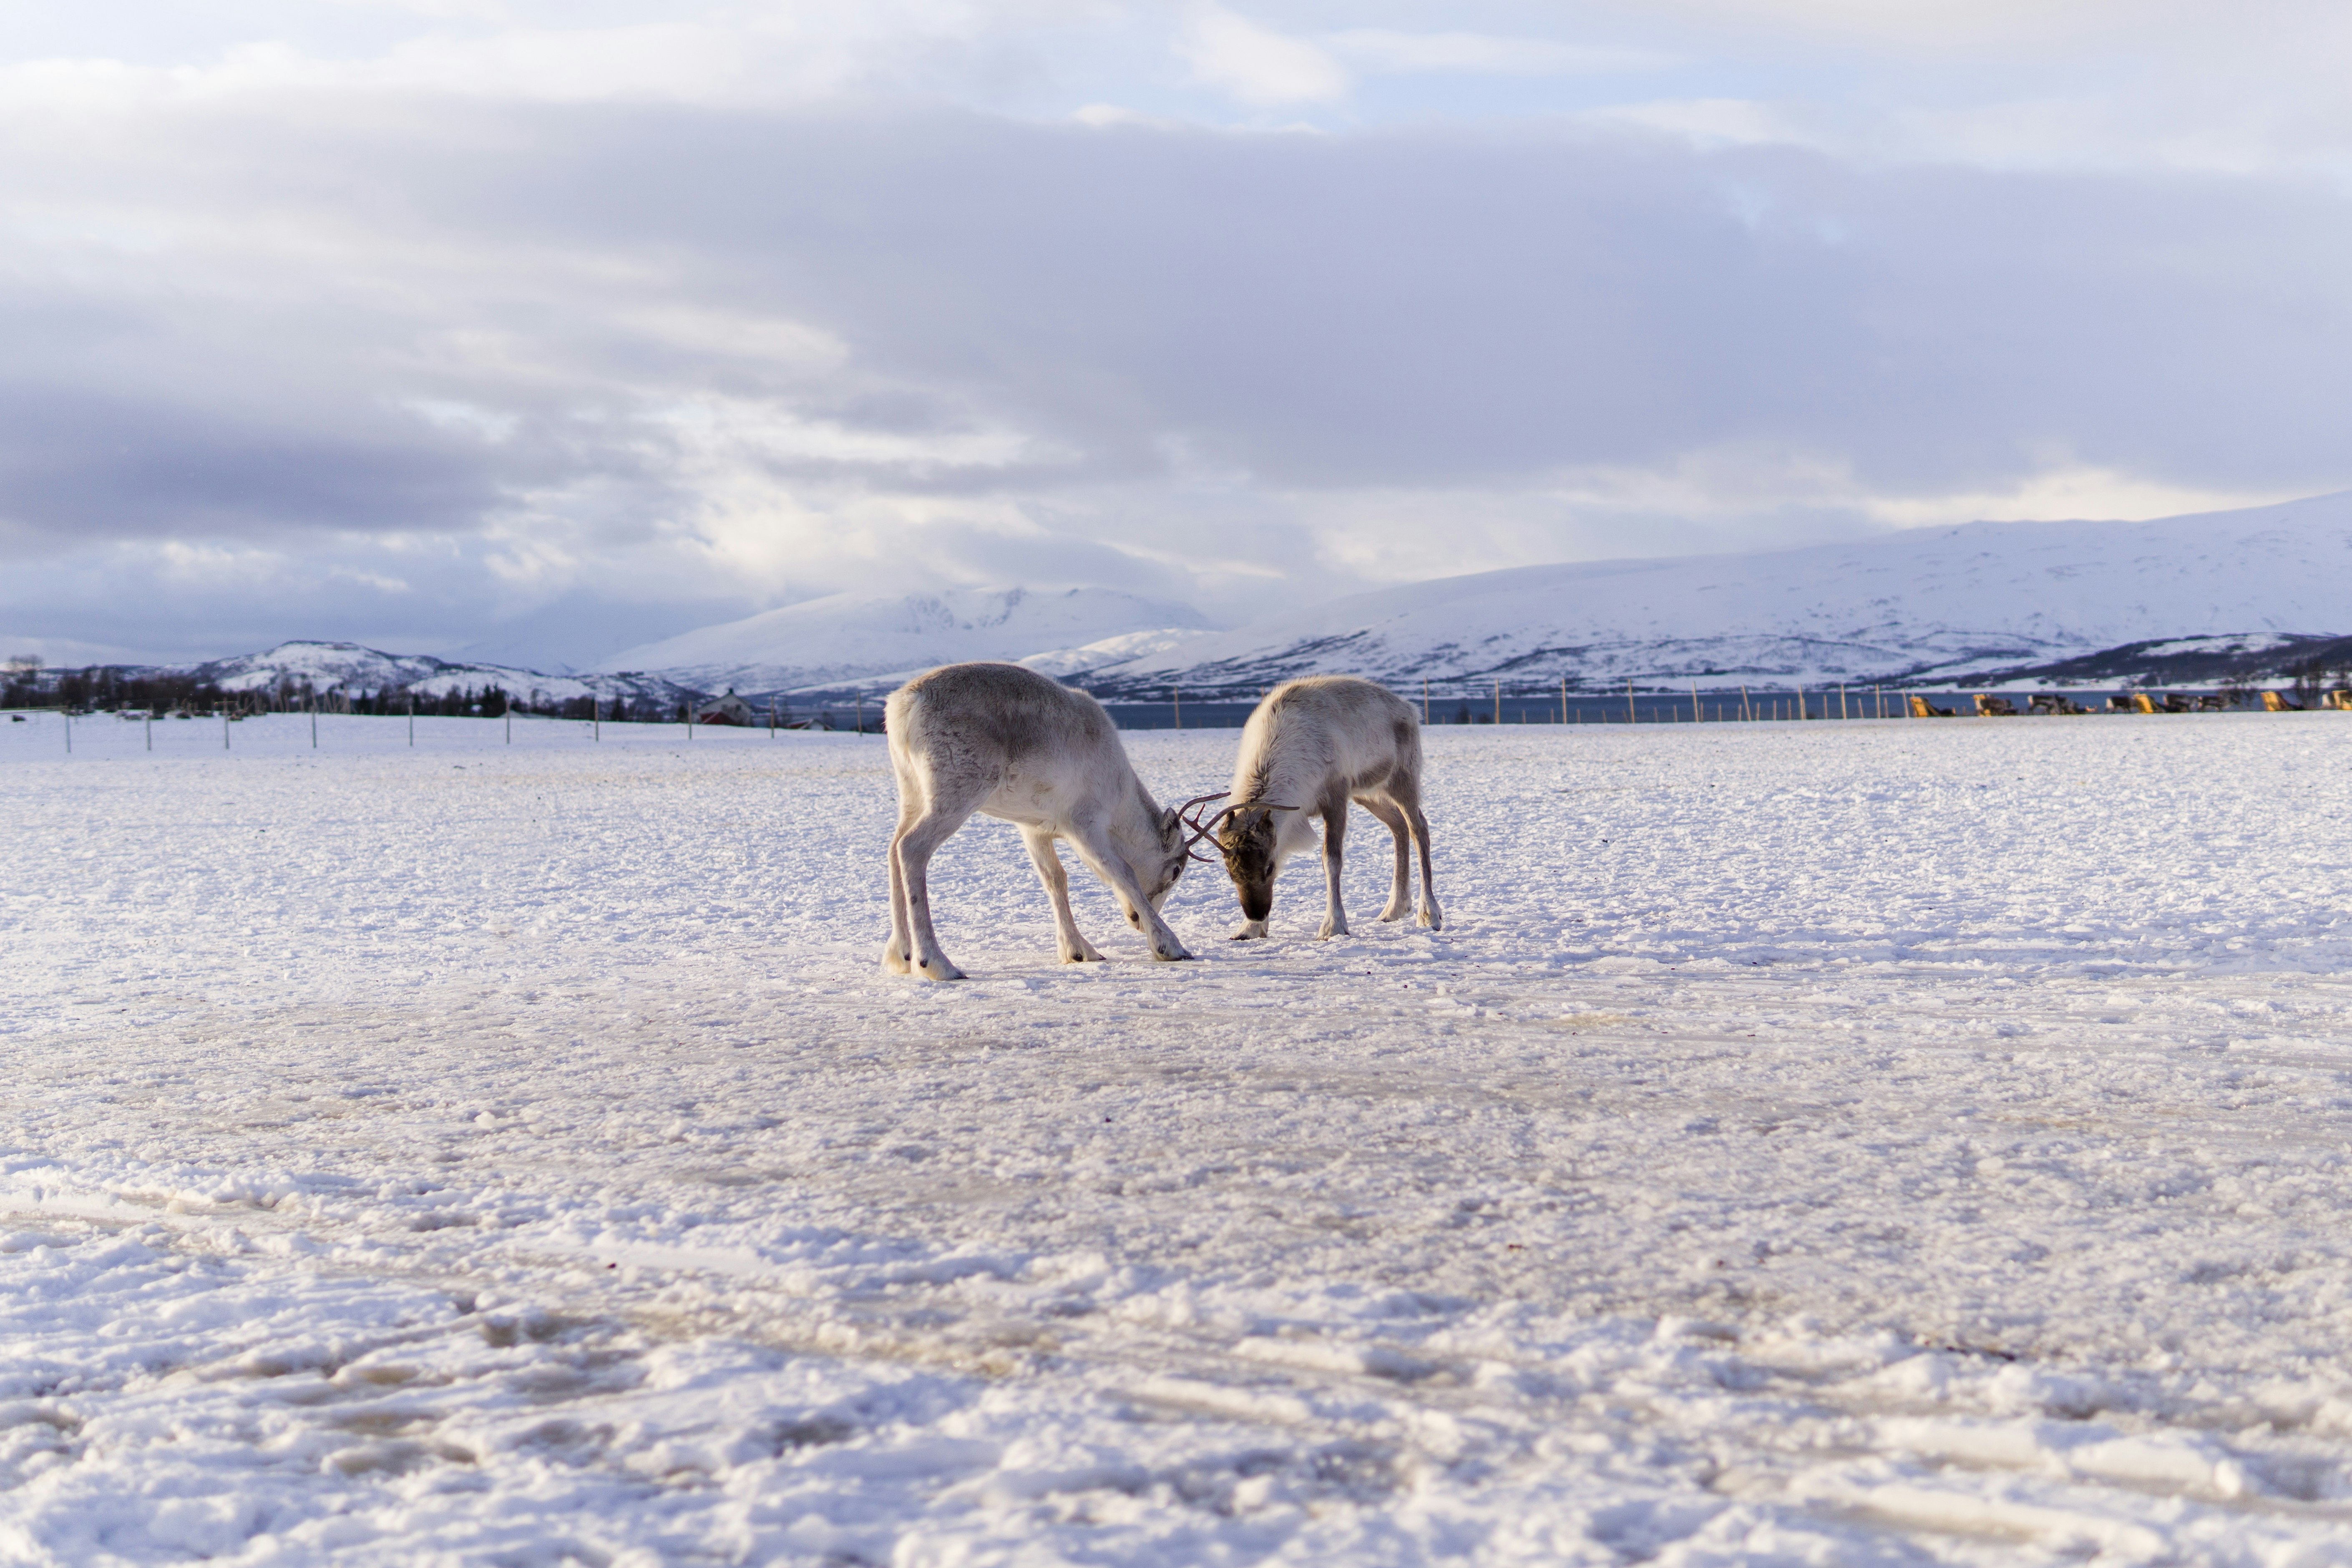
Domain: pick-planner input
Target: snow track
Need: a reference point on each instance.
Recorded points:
(1878, 1142)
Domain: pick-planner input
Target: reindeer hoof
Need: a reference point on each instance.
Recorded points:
(1395, 914)
(1430, 919)
(937, 969)
(894, 962)
(1084, 955)
(1330, 930)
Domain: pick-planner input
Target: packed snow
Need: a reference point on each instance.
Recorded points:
(1871, 1142)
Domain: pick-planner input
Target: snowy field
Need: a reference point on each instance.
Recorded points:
(1841, 1143)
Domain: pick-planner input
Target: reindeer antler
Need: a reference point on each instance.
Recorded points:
(1202, 830)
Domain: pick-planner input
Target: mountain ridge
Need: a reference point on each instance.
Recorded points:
(1902, 608)
(2234, 595)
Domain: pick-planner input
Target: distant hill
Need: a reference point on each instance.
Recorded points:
(1919, 606)
(351, 669)
(851, 638)
(2243, 596)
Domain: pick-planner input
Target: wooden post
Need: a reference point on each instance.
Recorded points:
(412, 718)
(1841, 699)
(1743, 700)
(224, 725)
(861, 712)
(314, 721)
(1498, 702)
(1424, 702)
(509, 717)
(771, 715)
(1800, 703)
(1176, 700)
(1878, 699)
(149, 726)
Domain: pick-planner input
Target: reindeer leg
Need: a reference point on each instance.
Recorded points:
(1430, 916)
(1094, 847)
(1401, 890)
(897, 953)
(912, 853)
(1405, 790)
(1335, 834)
(1073, 948)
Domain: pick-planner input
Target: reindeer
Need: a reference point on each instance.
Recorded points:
(1312, 746)
(1007, 741)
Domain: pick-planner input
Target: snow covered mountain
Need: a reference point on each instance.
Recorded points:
(2234, 596)
(351, 669)
(851, 637)
(1917, 606)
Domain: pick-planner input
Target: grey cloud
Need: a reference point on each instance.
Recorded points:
(1442, 308)
(1184, 327)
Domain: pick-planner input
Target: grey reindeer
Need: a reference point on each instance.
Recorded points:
(1016, 745)
(1311, 747)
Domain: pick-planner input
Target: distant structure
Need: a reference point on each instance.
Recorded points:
(728, 709)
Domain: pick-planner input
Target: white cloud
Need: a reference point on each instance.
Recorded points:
(1256, 65)
(1383, 51)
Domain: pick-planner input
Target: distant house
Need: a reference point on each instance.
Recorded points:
(728, 709)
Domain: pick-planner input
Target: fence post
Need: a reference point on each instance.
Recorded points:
(1498, 702)
(1176, 702)
(510, 718)
(224, 724)
(314, 722)
(1630, 718)
(150, 727)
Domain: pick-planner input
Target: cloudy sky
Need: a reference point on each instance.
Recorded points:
(547, 328)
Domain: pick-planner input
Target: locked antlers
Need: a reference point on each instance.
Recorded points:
(1201, 827)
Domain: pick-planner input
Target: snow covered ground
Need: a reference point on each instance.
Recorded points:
(1877, 1143)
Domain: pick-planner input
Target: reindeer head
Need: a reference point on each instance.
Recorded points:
(1247, 834)
(1175, 849)
(1248, 839)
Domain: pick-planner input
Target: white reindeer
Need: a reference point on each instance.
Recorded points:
(1312, 746)
(1007, 741)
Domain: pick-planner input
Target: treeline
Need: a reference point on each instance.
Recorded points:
(108, 689)
(103, 689)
